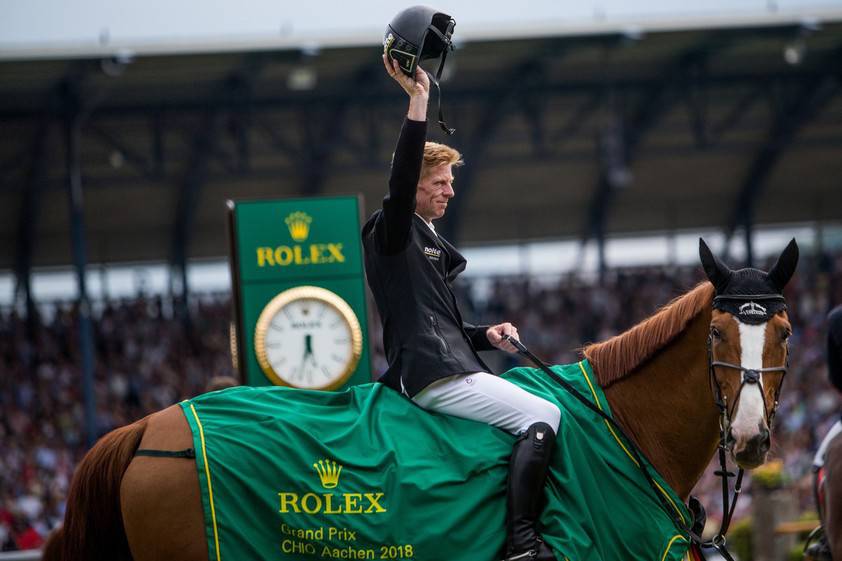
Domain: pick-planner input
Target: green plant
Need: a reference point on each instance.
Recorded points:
(770, 475)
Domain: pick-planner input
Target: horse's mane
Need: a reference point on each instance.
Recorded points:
(621, 355)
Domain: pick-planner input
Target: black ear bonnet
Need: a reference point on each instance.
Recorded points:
(751, 295)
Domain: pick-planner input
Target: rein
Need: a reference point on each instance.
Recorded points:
(749, 376)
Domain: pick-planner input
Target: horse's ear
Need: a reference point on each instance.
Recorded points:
(718, 272)
(783, 269)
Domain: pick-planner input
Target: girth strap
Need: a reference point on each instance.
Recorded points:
(188, 453)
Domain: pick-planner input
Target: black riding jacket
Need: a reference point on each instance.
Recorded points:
(410, 269)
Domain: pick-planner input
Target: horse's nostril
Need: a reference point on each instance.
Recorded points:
(759, 444)
(765, 440)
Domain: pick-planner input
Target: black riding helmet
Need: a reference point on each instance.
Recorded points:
(420, 33)
(834, 347)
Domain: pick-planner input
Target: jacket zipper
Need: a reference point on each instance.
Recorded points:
(441, 339)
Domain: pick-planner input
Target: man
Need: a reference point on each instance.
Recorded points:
(820, 549)
(432, 353)
(834, 373)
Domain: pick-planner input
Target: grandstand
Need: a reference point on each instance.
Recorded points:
(118, 154)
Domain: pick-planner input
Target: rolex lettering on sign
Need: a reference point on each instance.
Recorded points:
(298, 224)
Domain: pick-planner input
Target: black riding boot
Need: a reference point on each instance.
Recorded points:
(527, 473)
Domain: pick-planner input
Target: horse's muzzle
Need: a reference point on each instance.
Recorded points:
(751, 452)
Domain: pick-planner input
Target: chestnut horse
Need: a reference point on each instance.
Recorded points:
(658, 378)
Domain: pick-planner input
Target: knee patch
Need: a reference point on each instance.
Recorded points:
(550, 415)
(540, 434)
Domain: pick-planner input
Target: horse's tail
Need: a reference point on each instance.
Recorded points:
(93, 524)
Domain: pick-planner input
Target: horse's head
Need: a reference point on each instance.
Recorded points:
(747, 349)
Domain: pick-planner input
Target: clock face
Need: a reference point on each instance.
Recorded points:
(308, 337)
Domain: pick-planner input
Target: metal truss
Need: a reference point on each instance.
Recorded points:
(789, 117)
(220, 130)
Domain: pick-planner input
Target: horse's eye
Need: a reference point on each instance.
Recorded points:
(785, 335)
(715, 333)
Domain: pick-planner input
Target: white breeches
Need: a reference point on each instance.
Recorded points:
(488, 399)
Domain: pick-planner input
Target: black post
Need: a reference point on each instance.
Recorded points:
(748, 227)
(600, 248)
(72, 130)
(27, 222)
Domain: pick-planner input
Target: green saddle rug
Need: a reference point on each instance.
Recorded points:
(366, 474)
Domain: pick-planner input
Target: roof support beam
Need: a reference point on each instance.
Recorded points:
(27, 221)
(188, 200)
(792, 117)
(143, 166)
(618, 149)
(74, 115)
(737, 112)
(577, 119)
(321, 146)
(520, 79)
(205, 144)
(156, 127)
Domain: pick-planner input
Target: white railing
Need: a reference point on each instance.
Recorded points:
(28, 555)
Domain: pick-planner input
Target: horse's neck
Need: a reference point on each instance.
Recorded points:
(667, 408)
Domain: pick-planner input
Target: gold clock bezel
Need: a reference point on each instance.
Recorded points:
(285, 298)
(232, 345)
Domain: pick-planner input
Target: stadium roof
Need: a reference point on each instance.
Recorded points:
(576, 137)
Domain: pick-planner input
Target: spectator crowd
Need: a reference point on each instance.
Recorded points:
(148, 357)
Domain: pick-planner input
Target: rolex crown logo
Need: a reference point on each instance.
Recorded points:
(299, 225)
(328, 473)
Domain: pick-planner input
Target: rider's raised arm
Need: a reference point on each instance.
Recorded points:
(399, 204)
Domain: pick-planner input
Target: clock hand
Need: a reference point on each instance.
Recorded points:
(308, 352)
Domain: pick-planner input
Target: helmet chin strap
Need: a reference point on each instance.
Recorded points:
(435, 81)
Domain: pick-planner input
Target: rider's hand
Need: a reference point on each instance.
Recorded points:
(419, 86)
(495, 336)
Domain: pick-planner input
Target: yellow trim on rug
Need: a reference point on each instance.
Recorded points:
(207, 474)
(669, 545)
(620, 442)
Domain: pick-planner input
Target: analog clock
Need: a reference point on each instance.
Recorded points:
(308, 337)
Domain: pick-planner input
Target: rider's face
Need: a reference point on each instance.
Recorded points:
(435, 189)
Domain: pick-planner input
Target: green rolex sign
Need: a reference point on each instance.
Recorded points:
(299, 292)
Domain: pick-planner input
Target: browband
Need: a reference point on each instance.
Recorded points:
(748, 297)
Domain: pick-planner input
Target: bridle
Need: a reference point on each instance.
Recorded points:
(748, 376)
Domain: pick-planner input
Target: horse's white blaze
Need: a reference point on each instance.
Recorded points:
(750, 414)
